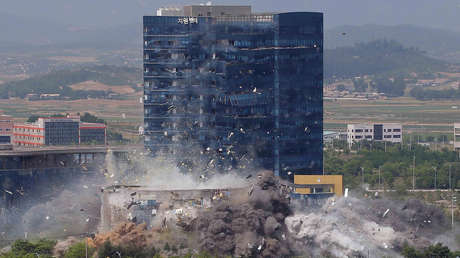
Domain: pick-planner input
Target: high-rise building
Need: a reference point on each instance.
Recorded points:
(247, 88)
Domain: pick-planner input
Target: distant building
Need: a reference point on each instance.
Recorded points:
(6, 129)
(92, 133)
(387, 132)
(47, 131)
(50, 96)
(457, 136)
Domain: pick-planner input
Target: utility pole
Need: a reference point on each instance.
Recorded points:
(413, 174)
(410, 143)
(362, 176)
(435, 178)
(451, 197)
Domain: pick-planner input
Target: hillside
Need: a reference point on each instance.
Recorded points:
(377, 57)
(442, 44)
(68, 83)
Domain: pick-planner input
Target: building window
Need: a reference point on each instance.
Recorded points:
(396, 130)
(397, 136)
(358, 137)
(387, 136)
(359, 130)
(389, 130)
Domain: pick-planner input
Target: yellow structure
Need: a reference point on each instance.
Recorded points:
(319, 184)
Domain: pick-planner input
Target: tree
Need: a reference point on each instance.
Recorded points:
(23, 248)
(360, 85)
(32, 119)
(391, 87)
(88, 118)
(78, 250)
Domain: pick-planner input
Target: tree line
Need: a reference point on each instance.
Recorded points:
(392, 166)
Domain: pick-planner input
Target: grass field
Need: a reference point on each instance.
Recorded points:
(425, 117)
(420, 116)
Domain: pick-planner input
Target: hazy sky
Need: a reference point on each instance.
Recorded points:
(103, 13)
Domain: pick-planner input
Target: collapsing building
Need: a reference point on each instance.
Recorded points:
(159, 208)
(244, 85)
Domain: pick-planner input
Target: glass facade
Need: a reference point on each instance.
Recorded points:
(236, 91)
(61, 133)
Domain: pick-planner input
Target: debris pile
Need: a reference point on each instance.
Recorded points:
(253, 228)
(128, 234)
(351, 226)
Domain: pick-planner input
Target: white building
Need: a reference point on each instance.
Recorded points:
(330, 136)
(387, 132)
(170, 11)
(457, 136)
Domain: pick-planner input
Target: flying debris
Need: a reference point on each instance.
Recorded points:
(344, 33)
(248, 176)
(133, 194)
(230, 135)
(242, 130)
(20, 191)
(62, 163)
(385, 213)
(8, 192)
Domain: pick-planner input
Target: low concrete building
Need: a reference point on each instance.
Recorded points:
(47, 131)
(457, 136)
(6, 129)
(388, 132)
(93, 133)
(330, 136)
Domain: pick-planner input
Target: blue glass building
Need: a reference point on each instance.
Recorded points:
(236, 91)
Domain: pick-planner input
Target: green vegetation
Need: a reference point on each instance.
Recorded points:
(78, 250)
(391, 87)
(88, 118)
(379, 57)
(432, 251)
(58, 82)
(427, 94)
(395, 166)
(109, 250)
(25, 249)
